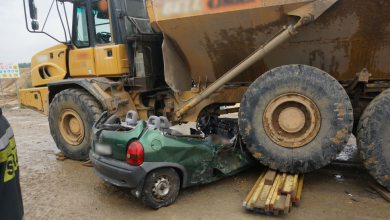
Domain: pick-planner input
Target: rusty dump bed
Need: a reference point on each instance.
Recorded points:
(212, 36)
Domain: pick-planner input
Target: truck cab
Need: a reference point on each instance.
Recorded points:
(111, 53)
(101, 45)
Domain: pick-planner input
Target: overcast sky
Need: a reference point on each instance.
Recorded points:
(16, 43)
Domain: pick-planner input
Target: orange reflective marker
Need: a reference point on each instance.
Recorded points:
(103, 6)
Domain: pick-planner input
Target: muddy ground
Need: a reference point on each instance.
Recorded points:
(67, 190)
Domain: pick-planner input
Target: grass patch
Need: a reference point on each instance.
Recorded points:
(29, 84)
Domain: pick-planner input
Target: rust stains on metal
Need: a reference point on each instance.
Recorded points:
(345, 39)
(292, 120)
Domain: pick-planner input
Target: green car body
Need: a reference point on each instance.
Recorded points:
(196, 160)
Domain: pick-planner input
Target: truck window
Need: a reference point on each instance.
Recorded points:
(102, 22)
(138, 18)
(80, 28)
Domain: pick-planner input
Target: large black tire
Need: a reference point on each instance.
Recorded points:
(333, 106)
(87, 108)
(154, 179)
(374, 138)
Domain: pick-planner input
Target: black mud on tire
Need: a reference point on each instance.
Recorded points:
(332, 101)
(87, 107)
(374, 138)
(151, 178)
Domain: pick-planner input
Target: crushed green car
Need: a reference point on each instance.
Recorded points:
(155, 162)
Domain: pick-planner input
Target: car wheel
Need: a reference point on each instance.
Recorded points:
(161, 188)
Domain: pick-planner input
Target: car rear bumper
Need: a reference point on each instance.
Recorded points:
(117, 172)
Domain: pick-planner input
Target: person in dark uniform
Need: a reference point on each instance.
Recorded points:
(11, 203)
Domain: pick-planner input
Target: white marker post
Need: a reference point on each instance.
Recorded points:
(9, 70)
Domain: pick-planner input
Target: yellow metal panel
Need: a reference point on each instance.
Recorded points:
(49, 65)
(82, 62)
(123, 60)
(116, 64)
(152, 19)
(36, 99)
(211, 41)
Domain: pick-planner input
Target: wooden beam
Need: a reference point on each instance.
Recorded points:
(270, 177)
(297, 199)
(246, 201)
(381, 190)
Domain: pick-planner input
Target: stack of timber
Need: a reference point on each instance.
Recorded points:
(274, 192)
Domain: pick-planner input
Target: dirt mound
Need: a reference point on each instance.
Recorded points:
(9, 88)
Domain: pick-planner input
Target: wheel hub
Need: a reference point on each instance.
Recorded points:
(71, 127)
(292, 120)
(74, 126)
(161, 188)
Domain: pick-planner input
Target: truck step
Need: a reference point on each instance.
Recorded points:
(274, 192)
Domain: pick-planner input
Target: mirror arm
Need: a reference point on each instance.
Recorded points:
(62, 22)
(67, 23)
(35, 32)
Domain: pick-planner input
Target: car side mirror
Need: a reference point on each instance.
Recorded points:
(33, 10)
(35, 25)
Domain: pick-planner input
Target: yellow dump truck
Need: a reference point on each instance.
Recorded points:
(306, 73)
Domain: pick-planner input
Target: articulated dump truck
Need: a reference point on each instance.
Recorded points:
(305, 73)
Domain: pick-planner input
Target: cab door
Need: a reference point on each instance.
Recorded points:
(82, 56)
(106, 52)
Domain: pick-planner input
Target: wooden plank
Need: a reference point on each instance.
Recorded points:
(277, 191)
(60, 154)
(272, 193)
(299, 191)
(282, 181)
(280, 201)
(270, 177)
(295, 187)
(260, 203)
(287, 204)
(381, 190)
(288, 185)
(61, 158)
(256, 194)
(248, 197)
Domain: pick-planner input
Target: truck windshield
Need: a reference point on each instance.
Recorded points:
(137, 17)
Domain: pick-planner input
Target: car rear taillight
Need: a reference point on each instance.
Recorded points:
(135, 153)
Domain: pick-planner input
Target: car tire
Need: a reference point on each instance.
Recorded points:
(318, 107)
(72, 114)
(161, 188)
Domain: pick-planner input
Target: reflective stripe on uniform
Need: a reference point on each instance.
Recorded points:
(4, 154)
(4, 140)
